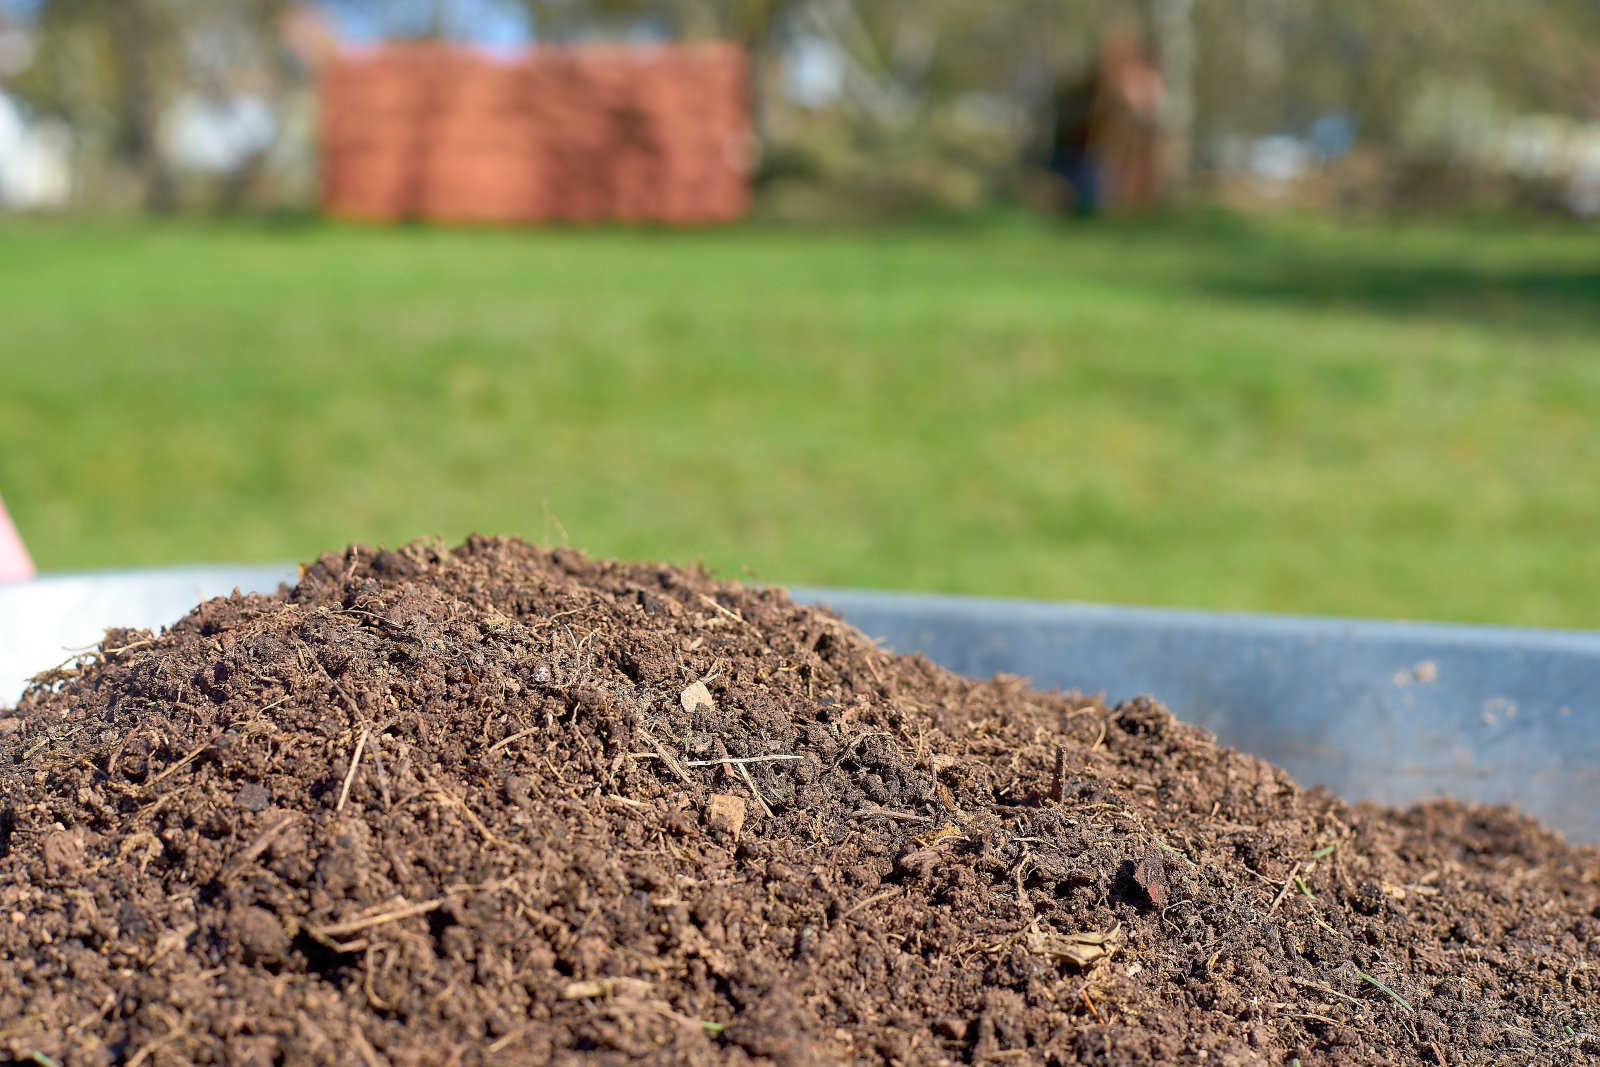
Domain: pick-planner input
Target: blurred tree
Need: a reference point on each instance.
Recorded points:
(99, 66)
(114, 67)
(1263, 65)
(936, 98)
(136, 42)
(1172, 26)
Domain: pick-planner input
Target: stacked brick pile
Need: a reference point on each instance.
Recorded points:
(570, 134)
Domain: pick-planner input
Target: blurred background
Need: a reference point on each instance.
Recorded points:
(1286, 305)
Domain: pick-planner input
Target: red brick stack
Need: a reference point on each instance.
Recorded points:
(571, 134)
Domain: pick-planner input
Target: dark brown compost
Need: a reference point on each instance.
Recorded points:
(502, 804)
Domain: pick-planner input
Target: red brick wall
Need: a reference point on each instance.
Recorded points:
(571, 134)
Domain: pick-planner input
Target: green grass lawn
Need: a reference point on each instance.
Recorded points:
(1274, 415)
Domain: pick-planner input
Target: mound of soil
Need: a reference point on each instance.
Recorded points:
(502, 804)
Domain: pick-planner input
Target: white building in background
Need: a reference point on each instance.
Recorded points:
(35, 160)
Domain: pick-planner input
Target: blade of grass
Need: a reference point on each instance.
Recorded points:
(1392, 995)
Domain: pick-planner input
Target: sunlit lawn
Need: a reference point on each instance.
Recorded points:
(1263, 415)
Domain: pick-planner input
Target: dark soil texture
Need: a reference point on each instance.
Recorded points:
(502, 804)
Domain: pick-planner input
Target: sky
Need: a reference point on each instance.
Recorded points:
(490, 23)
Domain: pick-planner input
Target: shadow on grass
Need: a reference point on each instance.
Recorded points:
(1496, 272)
(1540, 283)
(1566, 297)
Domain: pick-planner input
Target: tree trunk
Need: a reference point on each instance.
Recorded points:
(141, 114)
(1173, 25)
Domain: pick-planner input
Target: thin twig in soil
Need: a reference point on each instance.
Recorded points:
(154, 806)
(518, 736)
(873, 670)
(1287, 884)
(510, 1039)
(751, 782)
(1022, 896)
(185, 761)
(367, 980)
(1396, 997)
(886, 813)
(1090, 1005)
(255, 848)
(730, 613)
(368, 1054)
(868, 902)
(661, 1006)
(454, 801)
(255, 723)
(354, 925)
(1320, 987)
(94, 1016)
(1058, 785)
(151, 1049)
(130, 646)
(350, 775)
(732, 761)
(383, 774)
(1255, 874)
(666, 757)
(337, 688)
(1099, 740)
(1318, 920)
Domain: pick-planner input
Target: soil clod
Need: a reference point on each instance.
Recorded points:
(1150, 875)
